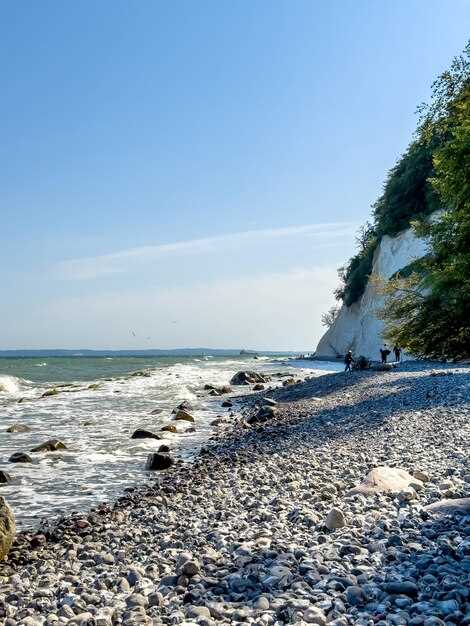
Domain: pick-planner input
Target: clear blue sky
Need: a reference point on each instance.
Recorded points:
(168, 167)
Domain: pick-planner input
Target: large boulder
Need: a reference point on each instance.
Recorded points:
(449, 506)
(52, 445)
(7, 528)
(158, 461)
(184, 415)
(386, 480)
(184, 406)
(248, 377)
(20, 457)
(141, 433)
(18, 428)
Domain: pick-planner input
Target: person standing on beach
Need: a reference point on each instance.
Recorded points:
(384, 352)
(348, 360)
(397, 353)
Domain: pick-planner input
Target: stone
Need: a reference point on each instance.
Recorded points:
(141, 433)
(248, 377)
(422, 476)
(449, 506)
(335, 519)
(227, 403)
(158, 461)
(184, 406)
(314, 615)
(258, 387)
(354, 595)
(49, 392)
(18, 428)
(406, 588)
(20, 457)
(4, 477)
(190, 568)
(52, 445)
(156, 411)
(385, 479)
(184, 415)
(164, 448)
(169, 428)
(7, 528)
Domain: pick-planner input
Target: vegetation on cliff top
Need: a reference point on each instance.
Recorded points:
(428, 311)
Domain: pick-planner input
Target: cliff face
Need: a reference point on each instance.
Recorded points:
(357, 328)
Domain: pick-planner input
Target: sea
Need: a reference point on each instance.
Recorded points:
(101, 400)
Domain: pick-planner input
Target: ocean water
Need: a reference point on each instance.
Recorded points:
(101, 401)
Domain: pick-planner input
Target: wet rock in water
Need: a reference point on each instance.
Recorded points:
(184, 415)
(156, 411)
(158, 461)
(227, 403)
(288, 382)
(184, 406)
(163, 448)
(49, 392)
(20, 457)
(386, 480)
(214, 392)
(4, 477)
(7, 528)
(169, 428)
(335, 519)
(141, 433)
(224, 389)
(450, 506)
(248, 378)
(18, 428)
(258, 387)
(52, 445)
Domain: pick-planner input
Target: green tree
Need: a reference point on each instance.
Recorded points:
(428, 313)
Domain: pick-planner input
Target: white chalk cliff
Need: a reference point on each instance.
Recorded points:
(357, 327)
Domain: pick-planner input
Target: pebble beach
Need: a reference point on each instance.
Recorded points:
(280, 519)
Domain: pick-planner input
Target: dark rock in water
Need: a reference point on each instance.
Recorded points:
(248, 378)
(164, 448)
(156, 411)
(258, 387)
(185, 406)
(158, 461)
(140, 433)
(18, 428)
(405, 588)
(20, 457)
(169, 428)
(208, 387)
(7, 528)
(214, 392)
(4, 477)
(52, 445)
(227, 403)
(224, 389)
(184, 415)
(49, 392)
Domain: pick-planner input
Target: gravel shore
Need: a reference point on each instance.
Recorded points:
(262, 529)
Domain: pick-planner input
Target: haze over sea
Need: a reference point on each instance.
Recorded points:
(101, 401)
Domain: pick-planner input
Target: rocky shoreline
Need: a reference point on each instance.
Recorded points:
(263, 527)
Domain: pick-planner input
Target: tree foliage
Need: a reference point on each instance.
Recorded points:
(428, 313)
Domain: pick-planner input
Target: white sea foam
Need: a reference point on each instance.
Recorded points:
(10, 385)
(95, 419)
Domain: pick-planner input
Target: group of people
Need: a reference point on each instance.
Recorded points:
(384, 352)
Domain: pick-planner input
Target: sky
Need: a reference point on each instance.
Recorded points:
(185, 174)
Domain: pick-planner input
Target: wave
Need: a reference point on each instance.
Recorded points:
(11, 385)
